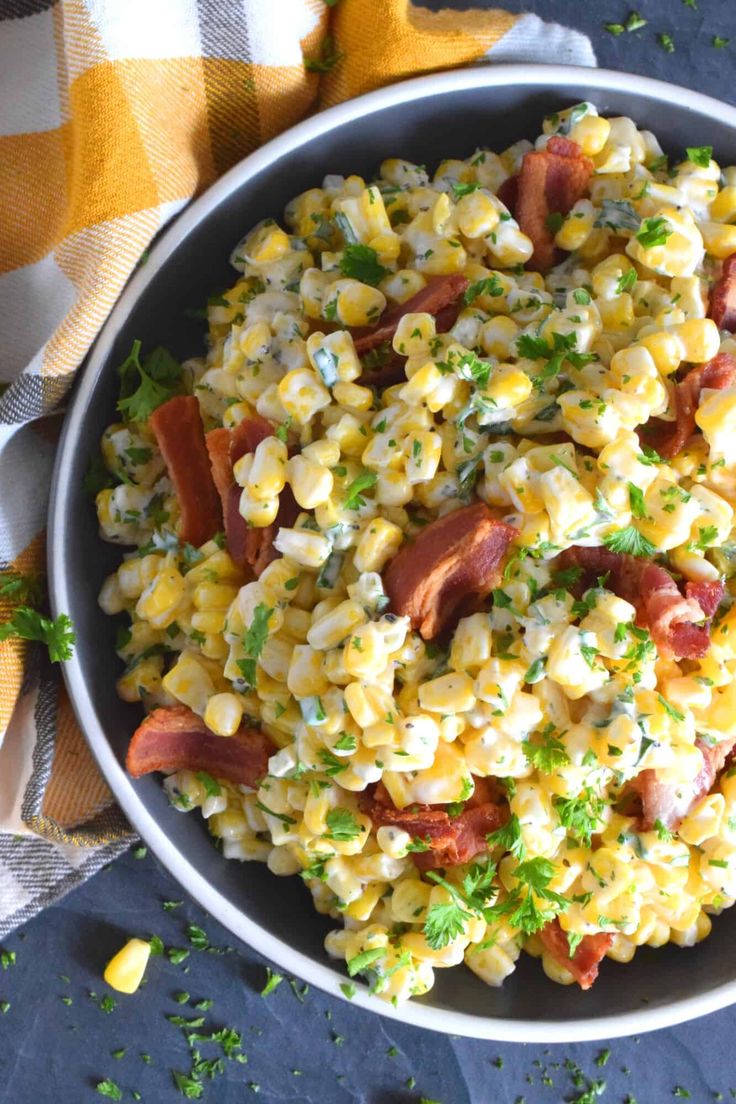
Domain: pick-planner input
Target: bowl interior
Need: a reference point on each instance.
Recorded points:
(424, 129)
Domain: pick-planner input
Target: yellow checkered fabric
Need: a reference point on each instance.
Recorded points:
(114, 114)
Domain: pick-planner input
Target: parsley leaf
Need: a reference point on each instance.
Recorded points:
(342, 825)
(146, 384)
(360, 962)
(445, 921)
(699, 155)
(508, 837)
(109, 1089)
(360, 262)
(627, 281)
(629, 541)
(353, 496)
(670, 710)
(253, 642)
(58, 635)
(273, 980)
(654, 231)
(547, 753)
(636, 502)
(490, 285)
(580, 815)
(706, 536)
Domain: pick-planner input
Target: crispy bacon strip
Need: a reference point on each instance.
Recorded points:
(669, 438)
(723, 297)
(550, 180)
(452, 840)
(670, 803)
(439, 292)
(218, 450)
(177, 425)
(247, 546)
(454, 561)
(174, 738)
(679, 624)
(583, 965)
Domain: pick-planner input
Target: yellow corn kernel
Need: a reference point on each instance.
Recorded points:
(140, 679)
(364, 654)
(159, 602)
(306, 677)
(665, 350)
(266, 243)
(423, 450)
(393, 489)
(421, 385)
(333, 357)
(379, 542)
(190, 683)
(577, 227)
(213, 596)
(591, 134)
(682, 250)
(258, 512)
(414, 334)
(124, 972)
(616, 314)
(303, 395)
(508, 245)
(476, 215)
(723, 207)
(267, 474)
(223, 714)
(209, 621)
(323, 452)
(509, 386)
(311, 482)
(368, 703)
(452, 693)
(716, 416)
(356, 304)
(353, 396)
(719, 239)
(349, 434)
(111, 599)
(331, 629)
(219, 567)
(699, 338)
(498, 336)
(305, 547)
(135, 574)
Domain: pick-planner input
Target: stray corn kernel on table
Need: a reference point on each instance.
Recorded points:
(55, 985)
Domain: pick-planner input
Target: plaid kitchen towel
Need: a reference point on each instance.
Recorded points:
(113, 114)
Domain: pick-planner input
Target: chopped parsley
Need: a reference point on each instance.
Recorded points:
(354, 494)
(327, 59)
(253, 641)
(653, 232)
(147, 384)
(360, 262)
(636, 502)
(58, 634)
(109, 1089)
(342, 825)
(629, 541)
(546, 752)
(700, 155)
(273, 980)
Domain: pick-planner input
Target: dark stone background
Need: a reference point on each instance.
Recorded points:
(57, 1043)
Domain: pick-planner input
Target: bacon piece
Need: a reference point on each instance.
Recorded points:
(708, 595)
(670, 803)
(583, 965)
(174, 738)
(177, 425)
(550, 180)
(247, 436)
(508, 192)
(453, 562)
(438, 292)
(218, 450)
(723, 297)
(679, 624)
(452, 840)
(669, 438)
(393, 370)
(246, 545)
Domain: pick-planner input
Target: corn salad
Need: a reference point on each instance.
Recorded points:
(530, 402)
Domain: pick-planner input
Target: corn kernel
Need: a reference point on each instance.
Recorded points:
(124, 972)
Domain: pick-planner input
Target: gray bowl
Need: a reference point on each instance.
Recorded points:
(425, 120)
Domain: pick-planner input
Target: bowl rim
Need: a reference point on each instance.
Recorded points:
(324, 976)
